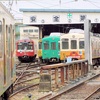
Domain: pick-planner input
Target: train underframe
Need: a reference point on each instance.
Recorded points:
(96, 62)
(51, 60)
(27, 58)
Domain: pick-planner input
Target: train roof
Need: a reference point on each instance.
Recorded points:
(56, 34)
(5, 10)
(51, 37)
(76, 31)
(72, 34)
(25, 40)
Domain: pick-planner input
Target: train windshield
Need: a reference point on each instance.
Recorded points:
(81, 44)
(46, 45)
(65, 44)
(73, 44)
(25, 46)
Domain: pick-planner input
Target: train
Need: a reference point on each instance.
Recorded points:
(72, 46)
(26, 50)
(32, 33)
(69, 46)
(51, 47)
(40, 50)
(7, 54)
(27, 45)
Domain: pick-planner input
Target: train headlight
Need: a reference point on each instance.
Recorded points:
(80, 52)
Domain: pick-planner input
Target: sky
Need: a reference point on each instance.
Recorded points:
(14, 5)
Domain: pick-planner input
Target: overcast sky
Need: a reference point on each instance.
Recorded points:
(49, 4)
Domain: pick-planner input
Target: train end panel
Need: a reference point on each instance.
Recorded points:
(75, 55)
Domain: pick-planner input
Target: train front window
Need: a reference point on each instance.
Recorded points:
(81, 44)
(65, 44)
(25, 46)
(73, 44)
(19, 46)
(29, 47)
(46, 45)
(53, 45)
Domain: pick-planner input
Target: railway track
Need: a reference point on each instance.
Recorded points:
(82, 91)
(27, 77)
(27, 84)
(94, 96)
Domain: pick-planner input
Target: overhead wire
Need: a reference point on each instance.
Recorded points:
(52, 5)
(43, 7)
(93, 3)
(52, 24)
(25, 15)
(48, 7)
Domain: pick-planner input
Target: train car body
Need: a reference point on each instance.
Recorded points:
(7, 54)
(95, 49)
(31, 32)
(50, 49)
(26, 50)
(40, 49)
(72, 46)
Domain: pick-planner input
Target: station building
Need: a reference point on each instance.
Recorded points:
(61, 20)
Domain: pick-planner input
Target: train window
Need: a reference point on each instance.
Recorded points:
(25, 30)
(36, 30)
(53, 45)
(65, 44)
(73, 44)
(30, 30)
(81, 44)
(24, 46)
(0, 39)
(9, 42)
(29, 47)
(46, 45)
(19, 46)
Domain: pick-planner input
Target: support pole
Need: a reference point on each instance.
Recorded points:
(88, 53)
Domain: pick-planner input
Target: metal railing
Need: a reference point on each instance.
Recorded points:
(62, 73)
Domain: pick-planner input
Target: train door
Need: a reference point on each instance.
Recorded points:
(54, 49)
(7, 56)
(1, 56)
(4, 53)
(9, 48)
(12, 50)
(74, 49)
